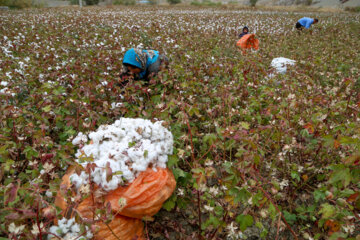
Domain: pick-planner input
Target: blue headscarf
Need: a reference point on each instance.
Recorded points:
(141, 59)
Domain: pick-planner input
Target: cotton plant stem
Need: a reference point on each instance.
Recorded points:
(278, 228)
(199, 213)
(38, 221)
(275, 205)
(190, 134)
(213, 235)
(54, 235)
(206, 152)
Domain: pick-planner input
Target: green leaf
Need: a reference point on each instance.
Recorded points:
(341, 175)
(290, 218)
(212, 220)
(295, 175)
(3, 149)
(146, 153)
(30, 152)
(272, 211)
(338, 235)
(47, 108)
(319, 195)
(240, 195)
(178, 173)
(170, 203)
(172, 160)
(209, 138)
(327, 211)
(245, 125)
(245, 221)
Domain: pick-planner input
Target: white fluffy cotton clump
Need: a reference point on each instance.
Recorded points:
(68, 229)
(128, 147)
(280, 64)
(4, 83)
(80, 138)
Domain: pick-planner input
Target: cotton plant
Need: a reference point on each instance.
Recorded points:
(127, 147)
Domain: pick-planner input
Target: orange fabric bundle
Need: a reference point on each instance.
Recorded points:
(248, 41)
(142, 198)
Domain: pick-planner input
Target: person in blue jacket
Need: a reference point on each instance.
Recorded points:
(142, 64)
(245, 31)
(305, 22)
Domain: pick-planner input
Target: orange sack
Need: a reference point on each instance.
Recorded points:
(142, 198)
(248, 41)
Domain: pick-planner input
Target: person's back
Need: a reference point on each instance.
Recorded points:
(142, 64)
(306, 22)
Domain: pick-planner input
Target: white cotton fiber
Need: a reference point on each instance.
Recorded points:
(68, 229)
(280, 64)
(128, 147)
(80, 138)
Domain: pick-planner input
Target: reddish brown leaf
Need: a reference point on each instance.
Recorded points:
(309, 127)
(336, 144)
(11, 193)
(352, 197)
(13, 216)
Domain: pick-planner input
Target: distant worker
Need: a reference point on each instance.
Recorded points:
(245, 31)
(305, 22)
(247, 41)
(142, 64)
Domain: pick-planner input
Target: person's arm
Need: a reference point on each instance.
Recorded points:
(124, 76)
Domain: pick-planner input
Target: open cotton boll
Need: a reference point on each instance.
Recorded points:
(79, 180)
(128, 146)
(68, 229)
(280, 64)
(80, 138)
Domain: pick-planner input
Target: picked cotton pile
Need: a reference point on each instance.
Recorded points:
(280, 64)
(68, 229)
(127, 147)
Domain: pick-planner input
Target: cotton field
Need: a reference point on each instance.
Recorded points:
(259, 149)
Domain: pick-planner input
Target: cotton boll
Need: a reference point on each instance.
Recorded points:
(64, 229)
(53, 230)
(79, 138)
(69, 229)
(89, 235)
(69, 237)
(70, 222)
(62, 221)
(75, 228)
(79, 180)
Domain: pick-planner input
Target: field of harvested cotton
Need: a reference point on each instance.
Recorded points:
(255, 154)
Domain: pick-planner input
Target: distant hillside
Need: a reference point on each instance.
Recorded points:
(315, 3)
